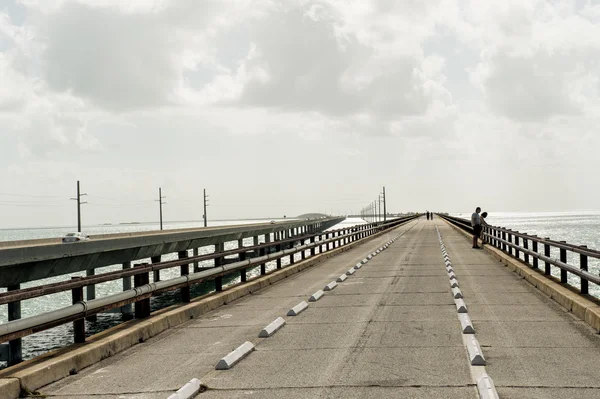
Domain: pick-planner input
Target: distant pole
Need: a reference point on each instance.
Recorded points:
(160, 204)
(78, 199)
(384, 207)
(379, 212)
(204, 216)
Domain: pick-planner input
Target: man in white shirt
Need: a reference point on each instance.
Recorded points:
(476, 224)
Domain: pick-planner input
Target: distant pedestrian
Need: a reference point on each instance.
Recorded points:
(427, 215)
(477, 227)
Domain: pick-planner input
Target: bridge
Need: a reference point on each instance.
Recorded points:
(402, 308)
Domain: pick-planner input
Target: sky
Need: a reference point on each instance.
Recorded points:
(287, 107)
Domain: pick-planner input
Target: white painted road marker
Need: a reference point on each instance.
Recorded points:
(188, 391)
(272, 328)
(316, 296)
(342, 278)
(330, 286)
(238, 354)
(299, 308)
(466, 324)
(486, 388)
(475, 354)
(460, 306)
(457, 293)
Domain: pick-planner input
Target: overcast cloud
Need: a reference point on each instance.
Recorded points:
(287, 107)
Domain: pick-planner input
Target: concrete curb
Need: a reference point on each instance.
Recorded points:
(486, 388)
(10, 388)
(273, 327)
(580, 306)
(358, 266)
(454, 284)
(475, 353)
(299, 308)
(342, 278)
(330, 286)
(188, 391)
(351, 271)
(234, 357)
(316, 296)
(58, 364)
(457, 293)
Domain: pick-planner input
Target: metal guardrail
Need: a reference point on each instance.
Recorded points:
(515, 243)
(143, 289)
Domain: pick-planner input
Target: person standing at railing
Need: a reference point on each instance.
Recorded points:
(483, 224)
(477, 227)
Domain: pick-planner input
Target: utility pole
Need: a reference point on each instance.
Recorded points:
(379, 213)
(205, 205)
(160, 204)
(384, 207)
(78, 199)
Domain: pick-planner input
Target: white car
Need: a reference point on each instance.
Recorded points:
(75, 237)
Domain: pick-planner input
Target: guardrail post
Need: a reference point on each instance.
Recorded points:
(535, 249)
(185, 270)
(583, 265)
(526, 246)
(304, 250)
(278, 248)
(320, 245)
(263, 266)
(126, 310)
(155, 273)
(312, 250)
(563, 258)
(510, 249)
(196, 264)
(504, 239)
(15, 355)
(292, 258)
(547, 270)
(218, 262)
(328, 243)
(242, 256)
(142, 307)
(90, 293)
(517, 252)
(78, 325)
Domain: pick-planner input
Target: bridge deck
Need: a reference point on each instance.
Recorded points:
(390, 330)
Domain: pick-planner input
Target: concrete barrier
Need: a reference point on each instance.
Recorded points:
(330, 286)
(475, 354)
(486, 388)
(299, 308)
(273, 327)
(235, 356)
(342, 278)
(188, 391)
(466, 324)
(316, 296)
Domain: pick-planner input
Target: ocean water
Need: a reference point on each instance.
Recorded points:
(576, 228)
(37, 344)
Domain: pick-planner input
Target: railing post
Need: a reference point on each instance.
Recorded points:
(185, 270)
(312, 250)
(535, 249)
(510, 249)
(263, 266)
(583, 265)
(15, 351)
(279, 248)
(320, 245)
(90, 293)
(196, 264)
(142, 307)
(242, 256)
(78, 325)
(304, 250)
(218, 262)
(504, 239)
(563, 258)
(526, 246)
(328, 243)
(155, 273)
(126, 310)
(517, 252)
(547, 270)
